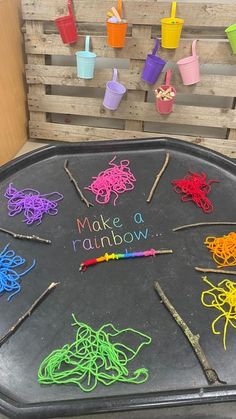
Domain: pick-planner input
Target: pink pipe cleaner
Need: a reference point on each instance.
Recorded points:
(116, 179)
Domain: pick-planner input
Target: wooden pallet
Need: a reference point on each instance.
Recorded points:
(203, 21)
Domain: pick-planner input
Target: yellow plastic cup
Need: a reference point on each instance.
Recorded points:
(171, 28)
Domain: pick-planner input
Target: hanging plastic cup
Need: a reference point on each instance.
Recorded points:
(165, 105)
(85, 61)
(114, 92)
(67, 26)
(171, 28)
(189, 67)
(116, 31)
(153, 66)
(231, 34)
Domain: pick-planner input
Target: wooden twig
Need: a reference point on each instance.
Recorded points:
(158, 177)
(164, 252)
(76, 185)
(210, 373)
(23, 237)
(15, 326)
(217, 271)
(211, 223)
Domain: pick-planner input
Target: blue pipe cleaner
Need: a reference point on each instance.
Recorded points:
(8, 276)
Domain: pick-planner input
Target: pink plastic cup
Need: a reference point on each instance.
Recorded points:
(164, 107)
(114, 93)
(189, 67)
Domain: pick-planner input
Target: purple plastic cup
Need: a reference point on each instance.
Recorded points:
(114, 93)
(153, 66)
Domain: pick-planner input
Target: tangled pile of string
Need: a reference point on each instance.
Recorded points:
(9, 278)
(116, 179)
(195, 187)
(223, 298)
(31, 203)
(95, 357)
(223, 249)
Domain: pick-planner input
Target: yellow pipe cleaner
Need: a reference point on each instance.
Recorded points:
(223, 298)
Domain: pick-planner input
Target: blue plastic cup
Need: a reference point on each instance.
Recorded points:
(85, 61)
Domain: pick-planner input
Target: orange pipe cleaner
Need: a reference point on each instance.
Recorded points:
(223, 249)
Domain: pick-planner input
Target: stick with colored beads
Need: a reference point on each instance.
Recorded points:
(117, 256)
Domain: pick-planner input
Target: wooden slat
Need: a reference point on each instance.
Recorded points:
(137, 12)
(217, 85)
(144, 32)
(232, 135)
(74, 133)
(210, 51)
(135, 125)
(232, 132)
(40, 89)
(187, 31)
(186, 115)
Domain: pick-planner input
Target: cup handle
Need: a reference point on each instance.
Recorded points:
(87, 41)
(194, 53)
(70, 7)
(155, 49)
(168, 76)
(119, 7)
(115, 74)
(173, 9)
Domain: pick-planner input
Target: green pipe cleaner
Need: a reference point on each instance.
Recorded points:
(93, 358)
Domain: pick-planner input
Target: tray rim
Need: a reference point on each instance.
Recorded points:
(73, 407)
(93, 146)
(119, 403)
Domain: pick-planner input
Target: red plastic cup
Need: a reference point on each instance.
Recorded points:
(164, 107)
(67, 26)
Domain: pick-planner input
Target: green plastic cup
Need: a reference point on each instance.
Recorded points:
(231, 34)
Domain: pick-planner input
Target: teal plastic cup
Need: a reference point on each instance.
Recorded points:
(231, 34)
(85, 61)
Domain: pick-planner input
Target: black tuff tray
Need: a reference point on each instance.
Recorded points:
(120, 292)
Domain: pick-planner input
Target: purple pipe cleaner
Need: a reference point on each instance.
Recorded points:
(31, 203)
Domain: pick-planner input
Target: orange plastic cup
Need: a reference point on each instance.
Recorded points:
(116, 33)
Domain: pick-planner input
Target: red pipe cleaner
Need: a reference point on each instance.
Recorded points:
(195, 187)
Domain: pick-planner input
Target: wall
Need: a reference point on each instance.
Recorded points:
(13, 116)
